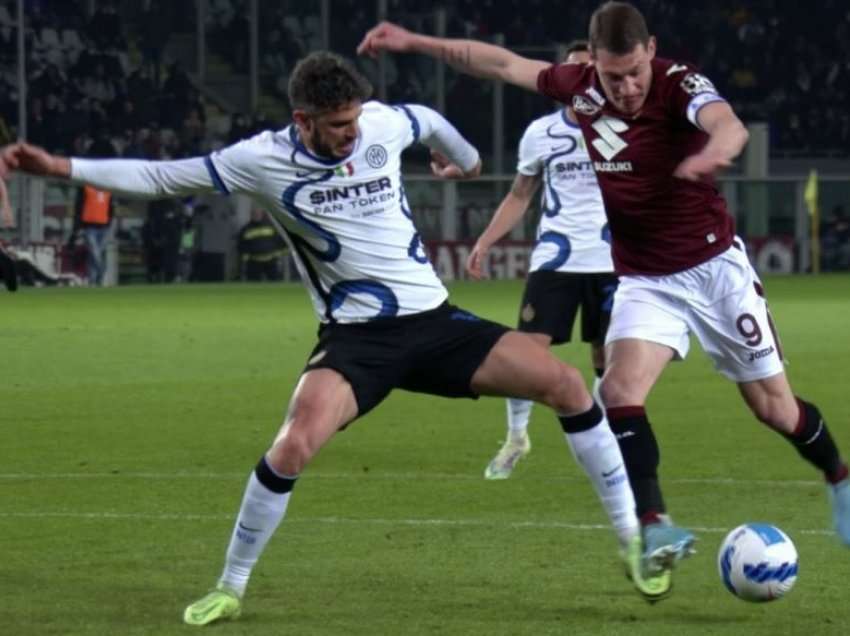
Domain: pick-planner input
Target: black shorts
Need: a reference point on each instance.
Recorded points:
(435, 352)
(551, 300)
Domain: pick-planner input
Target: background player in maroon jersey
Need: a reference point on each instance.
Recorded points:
(657, 132)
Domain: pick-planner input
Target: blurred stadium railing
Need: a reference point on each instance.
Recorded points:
(770, 213)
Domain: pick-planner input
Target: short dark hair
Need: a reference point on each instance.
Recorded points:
(325, 81)
(617, 27)
(576, 46)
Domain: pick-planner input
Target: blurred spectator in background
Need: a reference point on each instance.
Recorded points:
(215, 231)
(154, 25)
(161, 240)
(835, 241)
(93, 214)
(260, 248)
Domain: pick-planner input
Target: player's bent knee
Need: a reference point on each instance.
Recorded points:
(614, 392)
(565, 390)
(290, 454)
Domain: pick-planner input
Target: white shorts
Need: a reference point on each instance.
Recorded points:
(720, 301)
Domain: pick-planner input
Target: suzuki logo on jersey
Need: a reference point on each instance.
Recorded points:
(584, 106)
(609, 144)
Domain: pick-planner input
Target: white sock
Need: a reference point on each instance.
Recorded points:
(597, 451)
(519, 412)
(259, 516)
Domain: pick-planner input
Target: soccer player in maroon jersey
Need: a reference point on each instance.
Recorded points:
(658, 132)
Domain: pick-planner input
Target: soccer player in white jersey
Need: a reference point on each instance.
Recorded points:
(571, 263)
(332, 184)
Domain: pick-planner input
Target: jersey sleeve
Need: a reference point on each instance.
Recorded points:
(432, 129)
(560, 81)
(690, 90)
(529, 160)
(413, 127)
(236, 168)
(138, 178)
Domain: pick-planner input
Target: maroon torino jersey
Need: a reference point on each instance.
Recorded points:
(659, 224)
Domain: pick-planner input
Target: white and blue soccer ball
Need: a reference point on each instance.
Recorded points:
(757, 562)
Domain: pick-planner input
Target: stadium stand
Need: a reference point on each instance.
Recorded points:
(767, 57)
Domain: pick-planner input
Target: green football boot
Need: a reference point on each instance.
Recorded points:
(652, 588)
(220, 604)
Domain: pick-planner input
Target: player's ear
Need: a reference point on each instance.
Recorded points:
(650, 46)
(302, 120)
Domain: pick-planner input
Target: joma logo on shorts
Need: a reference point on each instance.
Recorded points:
(761, 353)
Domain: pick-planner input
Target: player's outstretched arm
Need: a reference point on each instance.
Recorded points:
(467, 56)
(452, 156)
(33, 160)
(510, 211)
(727, 137)
(126, 176)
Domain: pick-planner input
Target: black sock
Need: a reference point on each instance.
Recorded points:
(581, 422)
(271, 480)
(640, 452)
(812, 440)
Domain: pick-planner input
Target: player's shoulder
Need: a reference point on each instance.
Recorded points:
(379, 111)
(578, 71)
(673, 75)
(374, 108)
(264, 140)
(575, 74)
(669, 70)
(543, 126)
(542, 123)
(382, 119)
(260, 144)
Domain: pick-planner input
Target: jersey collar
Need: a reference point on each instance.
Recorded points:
(567, 120)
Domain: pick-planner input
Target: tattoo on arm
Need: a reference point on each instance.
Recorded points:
(457, 57)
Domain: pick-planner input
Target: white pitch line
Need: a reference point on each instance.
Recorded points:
(489, 523)
(424, 476)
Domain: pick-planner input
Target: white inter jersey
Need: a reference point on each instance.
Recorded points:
(347, 221)
(573, 232)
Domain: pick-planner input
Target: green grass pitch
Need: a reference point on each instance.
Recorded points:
(131, 417)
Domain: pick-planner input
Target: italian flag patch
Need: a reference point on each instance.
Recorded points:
(345, 170)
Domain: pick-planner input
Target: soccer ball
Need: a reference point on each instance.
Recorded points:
(757, 562)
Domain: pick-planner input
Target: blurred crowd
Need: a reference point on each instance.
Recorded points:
(94, 77)
(104, 78)
(773, 59)
(108, 71)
